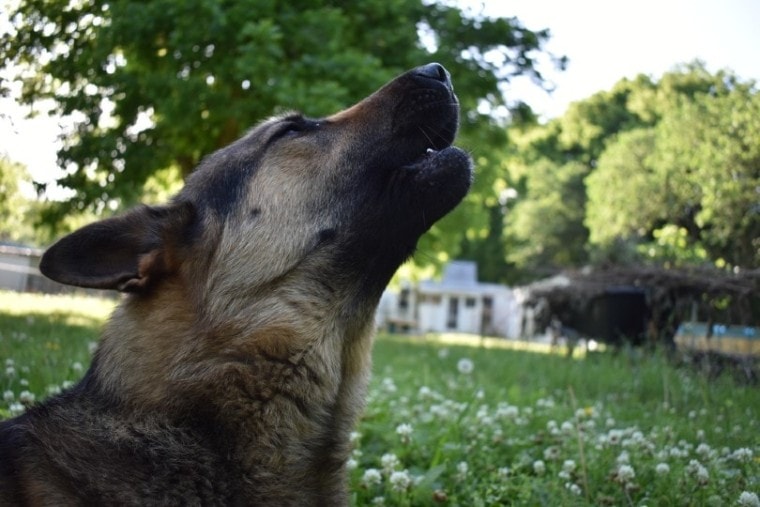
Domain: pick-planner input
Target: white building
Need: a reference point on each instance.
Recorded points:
(458, 303)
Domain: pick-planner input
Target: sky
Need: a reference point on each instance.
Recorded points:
(604, 40)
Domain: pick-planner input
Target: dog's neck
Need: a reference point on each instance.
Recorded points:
(284, 397)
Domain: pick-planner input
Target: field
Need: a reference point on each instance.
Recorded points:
(473, 422)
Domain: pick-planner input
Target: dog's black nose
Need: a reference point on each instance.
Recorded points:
(434, 71)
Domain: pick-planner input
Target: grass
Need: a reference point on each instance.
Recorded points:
(473, 422)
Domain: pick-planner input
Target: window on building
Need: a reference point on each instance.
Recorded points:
(470, 302)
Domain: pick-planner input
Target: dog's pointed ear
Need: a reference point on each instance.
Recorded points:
(127, 253)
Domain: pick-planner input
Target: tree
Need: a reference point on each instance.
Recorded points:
(654, 169)
(181, 79)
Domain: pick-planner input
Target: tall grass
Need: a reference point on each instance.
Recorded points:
(478, 421)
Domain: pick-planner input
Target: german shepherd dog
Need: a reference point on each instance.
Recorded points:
(236, 366)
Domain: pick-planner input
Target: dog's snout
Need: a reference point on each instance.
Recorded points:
(434, 71)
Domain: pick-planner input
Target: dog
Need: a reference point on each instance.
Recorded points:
(236, 365)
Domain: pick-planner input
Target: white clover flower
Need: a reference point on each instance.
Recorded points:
(539, 467)
(400, 480)
(404, 431)
(703, 450)
(465, 366)
(10, 371)
(696, 469)
(567, 428)
(742, 455)
(77, 367)
(388, 385)
(26, 397)
(462, 469)
(8, 396)
(748, 499)
(351, 464)
(569, 466)
(551, 453)
(371, 477)
(389, 462)
(662, 469)
(507, 411)
(9, 362)
(625, 474)
(378, 500)
(354, 437)
(503, 472)
(614, 436)
(16, 408)
(66, 384)
(623, 458)
(573, 488)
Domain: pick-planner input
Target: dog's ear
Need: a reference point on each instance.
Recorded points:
(127, 253)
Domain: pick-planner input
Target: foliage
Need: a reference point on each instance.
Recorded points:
(653, 170)
(156, 85)
(16, 208)
(470, 422)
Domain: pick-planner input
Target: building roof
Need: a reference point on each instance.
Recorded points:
(460, 277)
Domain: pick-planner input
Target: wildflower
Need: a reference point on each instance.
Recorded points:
(539, 467)
(551, 453)
(465, 366)
(351, 464)
(388, 385)
(662, 469)
(77, 367)
(378, 500)
(614, 437)
(625, 474)
(567, 428)
(696, 469)
(703, 450)
(354, 437)
(443, 353)
(748, 499)
(8, 396)
(623, 458)
(503, 472)
(371, 477)
(574, 488)
(16, 408)
(26, 397)
(10, 371)
(389, 462)
(742, 455)
(569, 466)
(404, 430)
(400, 481)
(462, 469)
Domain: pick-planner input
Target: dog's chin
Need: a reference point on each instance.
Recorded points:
(440, 179)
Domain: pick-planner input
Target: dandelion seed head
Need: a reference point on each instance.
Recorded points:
(662, 469)
(539, 467)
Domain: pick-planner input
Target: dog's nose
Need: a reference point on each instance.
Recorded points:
(435, 71)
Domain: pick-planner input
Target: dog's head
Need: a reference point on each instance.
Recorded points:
(341, 197)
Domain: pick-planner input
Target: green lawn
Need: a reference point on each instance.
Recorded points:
(473, 422)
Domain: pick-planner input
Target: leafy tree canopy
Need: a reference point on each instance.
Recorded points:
(156, 85)
(652, 170)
